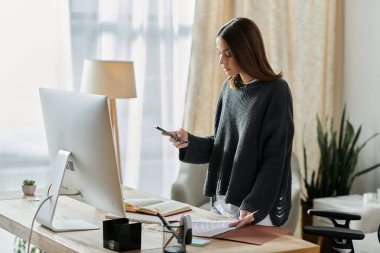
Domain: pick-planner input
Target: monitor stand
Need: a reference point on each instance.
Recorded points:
(46, 214)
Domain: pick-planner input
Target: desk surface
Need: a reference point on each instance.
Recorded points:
(16, 215)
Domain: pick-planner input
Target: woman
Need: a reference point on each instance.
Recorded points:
(249, 175)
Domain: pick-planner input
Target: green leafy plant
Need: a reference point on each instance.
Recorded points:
(339, 155)
(21, 246)
(28, 182)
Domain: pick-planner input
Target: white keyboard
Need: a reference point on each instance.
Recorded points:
(144, 218)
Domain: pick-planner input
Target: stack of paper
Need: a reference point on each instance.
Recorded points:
(209, 228)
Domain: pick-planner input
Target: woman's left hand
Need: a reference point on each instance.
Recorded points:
(245, 218)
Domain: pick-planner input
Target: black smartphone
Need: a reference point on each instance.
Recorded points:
(176, 138)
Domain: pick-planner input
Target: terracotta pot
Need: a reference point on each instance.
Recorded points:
(307, 220)
(29, 189)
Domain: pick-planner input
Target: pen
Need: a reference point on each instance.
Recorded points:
(239, 223)
(166, 224)
(251, 214)
(170, 239)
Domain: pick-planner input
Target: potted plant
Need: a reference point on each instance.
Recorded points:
(21, 246)
(339, 152)
(28, 187)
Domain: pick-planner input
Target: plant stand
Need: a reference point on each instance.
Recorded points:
(307, 220)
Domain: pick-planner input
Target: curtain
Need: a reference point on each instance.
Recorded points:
(156, 36)
(302, 38)
(35, 52)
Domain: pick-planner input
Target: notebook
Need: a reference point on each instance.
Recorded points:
(152, 206)
(145, 218)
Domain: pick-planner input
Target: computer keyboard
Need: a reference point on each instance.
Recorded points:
(144, 218)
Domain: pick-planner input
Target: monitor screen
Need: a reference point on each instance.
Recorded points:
(82, 154)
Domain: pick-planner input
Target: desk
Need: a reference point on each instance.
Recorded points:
(16, 215)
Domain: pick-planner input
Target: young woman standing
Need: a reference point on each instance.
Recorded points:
(249, 174)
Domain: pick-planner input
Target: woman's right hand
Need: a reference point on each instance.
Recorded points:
(183, 135)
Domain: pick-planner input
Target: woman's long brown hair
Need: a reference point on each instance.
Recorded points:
(245, 42)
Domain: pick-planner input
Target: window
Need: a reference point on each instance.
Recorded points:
(156, 35)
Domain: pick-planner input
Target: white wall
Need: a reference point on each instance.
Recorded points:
(361, 82)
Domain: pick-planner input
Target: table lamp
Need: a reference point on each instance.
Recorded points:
(114, 79)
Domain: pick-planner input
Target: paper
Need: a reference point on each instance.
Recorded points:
(210, 228)
(254, 234)
(146, 218)
(32, 198)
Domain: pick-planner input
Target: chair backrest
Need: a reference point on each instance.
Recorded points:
(296, 195)
(188, 187)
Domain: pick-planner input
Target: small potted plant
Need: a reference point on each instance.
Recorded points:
(28, 187)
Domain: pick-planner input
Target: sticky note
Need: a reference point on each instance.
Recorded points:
(199, 242)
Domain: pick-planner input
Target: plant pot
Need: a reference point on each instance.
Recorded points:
(29, 189)
(307, 220)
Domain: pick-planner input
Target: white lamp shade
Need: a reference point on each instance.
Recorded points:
(114, 79)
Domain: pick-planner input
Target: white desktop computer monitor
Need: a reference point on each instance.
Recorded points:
(82, 156)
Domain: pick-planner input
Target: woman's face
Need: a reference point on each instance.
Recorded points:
(226, 59)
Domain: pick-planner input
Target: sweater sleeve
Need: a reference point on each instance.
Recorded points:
(198, 150)
(276, 143)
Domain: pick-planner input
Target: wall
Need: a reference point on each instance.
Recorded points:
(361, 82)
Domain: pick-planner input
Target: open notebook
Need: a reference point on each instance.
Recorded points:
(152, 206)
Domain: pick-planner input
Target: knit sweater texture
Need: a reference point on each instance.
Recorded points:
(249, 154)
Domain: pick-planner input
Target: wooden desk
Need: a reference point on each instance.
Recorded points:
(16, 214)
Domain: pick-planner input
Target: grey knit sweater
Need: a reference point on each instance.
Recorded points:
(250, 151)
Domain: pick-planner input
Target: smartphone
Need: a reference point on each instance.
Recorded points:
(176, 138)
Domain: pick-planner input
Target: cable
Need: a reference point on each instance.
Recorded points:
(35, 215)
(79, 193)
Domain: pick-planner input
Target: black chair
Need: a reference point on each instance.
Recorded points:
(340, 235)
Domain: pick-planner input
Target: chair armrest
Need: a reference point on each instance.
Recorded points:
(340, 235)
(334, 232)
(334, 214)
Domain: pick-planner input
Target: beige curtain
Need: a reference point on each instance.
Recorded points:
(302, 38)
